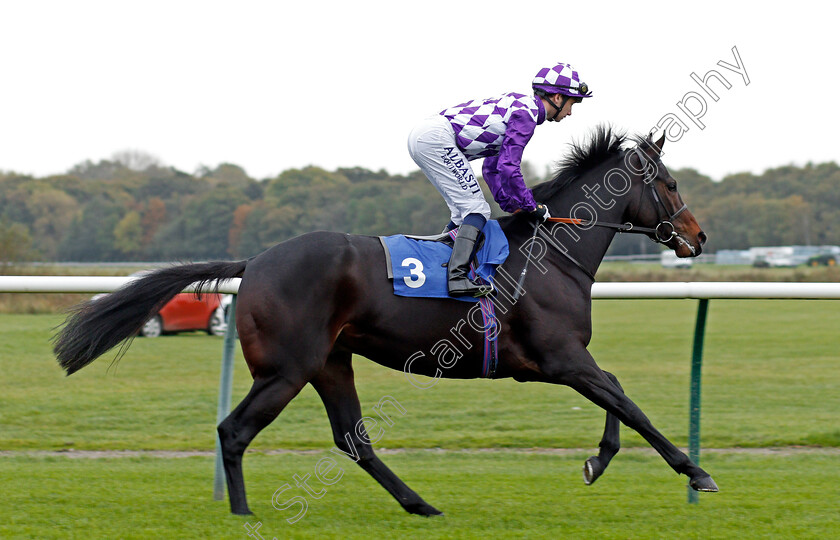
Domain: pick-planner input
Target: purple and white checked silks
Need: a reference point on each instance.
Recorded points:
(480, 124)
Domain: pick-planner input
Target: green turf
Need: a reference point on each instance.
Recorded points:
(770, 378)
(498, 495)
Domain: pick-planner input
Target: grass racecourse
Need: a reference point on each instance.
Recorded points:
(125, 450)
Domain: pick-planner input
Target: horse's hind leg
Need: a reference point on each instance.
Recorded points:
(265, 400)
(609, 445)
(335, 384)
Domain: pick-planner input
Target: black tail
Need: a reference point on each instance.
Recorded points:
(94, 327)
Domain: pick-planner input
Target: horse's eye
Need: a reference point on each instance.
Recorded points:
(672, 186)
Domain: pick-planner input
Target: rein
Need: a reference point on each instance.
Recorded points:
(627, 227)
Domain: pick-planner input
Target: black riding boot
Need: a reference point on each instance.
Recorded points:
(458, 270)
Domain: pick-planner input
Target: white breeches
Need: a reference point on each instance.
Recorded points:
(431, 145)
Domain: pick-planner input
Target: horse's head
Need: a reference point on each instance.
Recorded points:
(656, 203)
(640, 195)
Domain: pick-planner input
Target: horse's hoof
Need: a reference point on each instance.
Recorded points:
(423, 509)
(703, 484)
(241, 510)
(433, 512)
(592, 469)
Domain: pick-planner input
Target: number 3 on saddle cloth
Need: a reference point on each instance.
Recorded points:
(417, 266)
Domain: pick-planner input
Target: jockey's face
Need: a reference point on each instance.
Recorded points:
(556, 100)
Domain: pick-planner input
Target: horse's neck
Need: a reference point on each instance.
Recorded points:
(587, 246)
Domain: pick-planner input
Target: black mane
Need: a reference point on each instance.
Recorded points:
(602, 144)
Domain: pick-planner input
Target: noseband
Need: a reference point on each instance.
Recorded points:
(664, 230)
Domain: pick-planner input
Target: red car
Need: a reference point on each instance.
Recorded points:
(185, 313)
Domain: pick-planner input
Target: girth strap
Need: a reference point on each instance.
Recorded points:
(491, 335)
(490, 360)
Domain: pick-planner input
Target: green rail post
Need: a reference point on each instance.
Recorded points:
(696, 375)
(225, 388)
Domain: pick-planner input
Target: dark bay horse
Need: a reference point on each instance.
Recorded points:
(305, 306)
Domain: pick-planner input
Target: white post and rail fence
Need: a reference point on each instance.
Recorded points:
(701, 291)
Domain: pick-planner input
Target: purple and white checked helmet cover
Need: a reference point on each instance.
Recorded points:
(561, 79)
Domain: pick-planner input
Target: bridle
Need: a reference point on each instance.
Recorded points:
(660, 232)
(663, 232)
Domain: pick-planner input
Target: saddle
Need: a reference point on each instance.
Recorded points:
(417, 264)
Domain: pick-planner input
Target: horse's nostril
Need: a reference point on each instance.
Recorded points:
(702, 237)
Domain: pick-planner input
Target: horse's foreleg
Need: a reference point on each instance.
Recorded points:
(609, 445)
(337, 389)
(591, 382)
(260, 407)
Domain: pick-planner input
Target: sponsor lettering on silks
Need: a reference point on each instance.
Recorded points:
(461, 170)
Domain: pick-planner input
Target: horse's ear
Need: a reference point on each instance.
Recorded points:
(660, 143)
(654, 149)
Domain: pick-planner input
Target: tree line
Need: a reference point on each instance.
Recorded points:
(111, 211)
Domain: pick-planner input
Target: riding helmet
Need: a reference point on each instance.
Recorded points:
(560, 79)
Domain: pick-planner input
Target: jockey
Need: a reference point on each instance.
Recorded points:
(497, 130)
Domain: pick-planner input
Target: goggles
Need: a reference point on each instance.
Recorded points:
(582, 89)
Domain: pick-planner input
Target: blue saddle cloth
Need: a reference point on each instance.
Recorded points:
(417, 266)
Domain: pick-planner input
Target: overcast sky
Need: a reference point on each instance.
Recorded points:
(275, 85)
